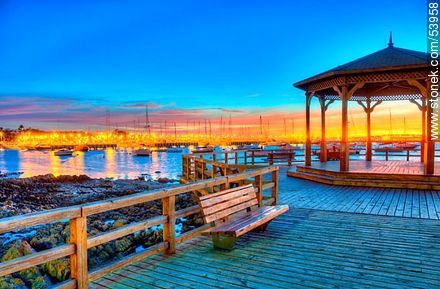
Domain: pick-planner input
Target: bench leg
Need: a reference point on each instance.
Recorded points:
(262, 228)
(224, 242)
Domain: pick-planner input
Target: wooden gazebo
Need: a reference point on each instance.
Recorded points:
(386, 75)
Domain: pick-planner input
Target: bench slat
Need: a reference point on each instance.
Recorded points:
(261, 220)
(223, 192)
(231, 210)
(230, 203)
(248, 222)
(219, 229)
(227, 197)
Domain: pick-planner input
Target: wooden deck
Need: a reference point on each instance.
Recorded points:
(332, 237)
(378, 167)
(379, 174)
(410, 203)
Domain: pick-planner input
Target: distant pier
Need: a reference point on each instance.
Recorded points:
(90, 146)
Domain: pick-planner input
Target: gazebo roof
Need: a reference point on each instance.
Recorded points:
(389, 60)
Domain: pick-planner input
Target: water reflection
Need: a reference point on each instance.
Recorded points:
(109, 163)
(55, 163)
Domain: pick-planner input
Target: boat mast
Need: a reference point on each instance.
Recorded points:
(261, 125)
(147, 120)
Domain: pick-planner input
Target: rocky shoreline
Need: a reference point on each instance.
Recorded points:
(21, 196)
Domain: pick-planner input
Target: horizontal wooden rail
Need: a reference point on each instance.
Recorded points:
(187, 211)
(23, 221)
(144, 197)
(79, 242)
(124, 231)
(32, 260)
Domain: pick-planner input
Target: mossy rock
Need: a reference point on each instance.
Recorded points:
(58, 270)
(8, 282)
(44, 243)
(39, 283)
(14, 251)
(119, 223)
(29, 275)
(123, 245)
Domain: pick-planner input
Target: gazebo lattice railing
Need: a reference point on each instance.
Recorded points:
(390, 74)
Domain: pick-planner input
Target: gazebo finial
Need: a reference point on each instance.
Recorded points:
(390, 43)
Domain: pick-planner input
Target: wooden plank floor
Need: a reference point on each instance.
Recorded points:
(332, 237)
(378, 201)
(379, 167)
(302, 249)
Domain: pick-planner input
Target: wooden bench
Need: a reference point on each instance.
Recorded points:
(217, 208)
(281, 156)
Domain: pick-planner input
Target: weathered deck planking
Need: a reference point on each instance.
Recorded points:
(311, 248)
(379, 167)
(410, 203)
(332, 237)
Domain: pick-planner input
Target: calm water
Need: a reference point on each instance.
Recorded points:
(110, 163)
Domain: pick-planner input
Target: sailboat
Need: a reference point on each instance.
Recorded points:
(142, 152)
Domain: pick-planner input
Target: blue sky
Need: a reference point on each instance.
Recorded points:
(70, 61)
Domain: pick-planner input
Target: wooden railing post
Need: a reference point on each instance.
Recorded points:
(386, 154)
(224, 172)
(259, 186)
(169, 235)
(203, 170)
(275, 187)
(236, 158)
(407, 155)
(213, 172)
(78, 261)
(188, 168)
(184, 163)
(226, 158)
(253, 158)
(245, 157)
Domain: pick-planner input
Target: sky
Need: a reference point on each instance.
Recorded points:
(91, 64)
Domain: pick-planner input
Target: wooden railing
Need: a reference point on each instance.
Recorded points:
(219, 162)
(79, 242)
(203, 166)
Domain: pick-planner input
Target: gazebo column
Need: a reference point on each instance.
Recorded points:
(345, 95)
(422, 108)
(324, 107)
(369, 146)
(429, 152)
(429, 145)
(368, 108)
(345, 146)
(308, 148)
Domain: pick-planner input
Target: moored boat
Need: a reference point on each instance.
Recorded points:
(159, 150)
(250, 147)
(63, 152)
(203, 149)
(142, 152)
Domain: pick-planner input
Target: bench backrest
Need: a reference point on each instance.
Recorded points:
(222, 204)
